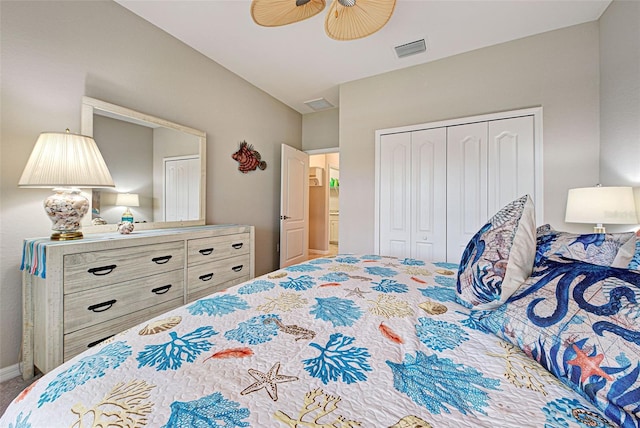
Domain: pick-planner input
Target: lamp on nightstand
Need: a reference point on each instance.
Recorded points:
(65, 161)
(127, 200)
(601, 205)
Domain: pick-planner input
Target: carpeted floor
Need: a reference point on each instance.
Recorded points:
(10, 390)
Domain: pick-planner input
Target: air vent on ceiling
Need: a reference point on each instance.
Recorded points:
(319, 104)
(411, 48)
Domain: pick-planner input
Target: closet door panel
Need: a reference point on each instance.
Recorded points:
(510, 160)
(466, 185)
(428, 194)
(395, 195)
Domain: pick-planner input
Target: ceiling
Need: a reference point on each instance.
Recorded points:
(299, 62)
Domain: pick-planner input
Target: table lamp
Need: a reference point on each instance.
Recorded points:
(127, 200)
(65, 161)
(601, 205)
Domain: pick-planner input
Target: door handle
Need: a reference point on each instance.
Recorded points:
(284, 217)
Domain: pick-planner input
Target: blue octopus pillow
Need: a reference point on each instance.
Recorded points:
(499, 258)
(595, 248)
(582, 323)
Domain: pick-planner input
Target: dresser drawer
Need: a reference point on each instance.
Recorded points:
(209, 275)
(97, 268)
(204, 292)
(90, 307)
(203, 250)
(81, 340)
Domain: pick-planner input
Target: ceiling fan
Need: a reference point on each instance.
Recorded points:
(346, 19)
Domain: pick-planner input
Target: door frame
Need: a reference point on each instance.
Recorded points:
(536, 112)
(326, 151)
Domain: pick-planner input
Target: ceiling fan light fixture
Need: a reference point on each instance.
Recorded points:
(274, 13)
(355, 19)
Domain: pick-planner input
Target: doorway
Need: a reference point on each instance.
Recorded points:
(324, 203)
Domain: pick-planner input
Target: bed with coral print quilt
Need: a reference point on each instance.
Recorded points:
(349, 341)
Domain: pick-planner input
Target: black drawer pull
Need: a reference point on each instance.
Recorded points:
(161, 290)
(206, 251)
(206, 277)
(237, 268)
(92, 344)
(237, 246)
(161, 260)
(101, 307)
(99, 271)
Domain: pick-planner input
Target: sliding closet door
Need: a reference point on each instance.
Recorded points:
(466, 185)
(429, 194)
(511, 161)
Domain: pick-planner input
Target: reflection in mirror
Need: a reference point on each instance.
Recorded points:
(160, 161)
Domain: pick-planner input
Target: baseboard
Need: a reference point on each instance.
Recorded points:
(10, 372)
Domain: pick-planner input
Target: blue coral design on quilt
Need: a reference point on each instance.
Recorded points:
(303, 268)
(439, 384)
(218, 305)
(300, 283)
(256, 287)
(390, 286)
(211, 411)
(90, 367)
(335, 277)
(381, 271)
(412, 262)
(339, 361)
(442, 294)
(336, 310)
(440, 335)
(347, 259)
(255, 330)
(170, 355)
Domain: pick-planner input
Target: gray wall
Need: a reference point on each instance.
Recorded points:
(558, 70)
(320, 129)
(55, 52)
(620, 94)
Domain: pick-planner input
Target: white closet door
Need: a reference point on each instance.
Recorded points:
(429, 194)
(182, 189)
(466, 185)
(511, 161)
(395, 195)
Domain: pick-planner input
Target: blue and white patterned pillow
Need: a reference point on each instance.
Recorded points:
(582, 323)
(499, 258)
(596, 248)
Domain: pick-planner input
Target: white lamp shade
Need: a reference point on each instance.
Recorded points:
(62, 159)
(127, 200)
(602, 205)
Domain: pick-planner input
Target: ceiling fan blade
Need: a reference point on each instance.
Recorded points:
(274, 13)
(354, 19)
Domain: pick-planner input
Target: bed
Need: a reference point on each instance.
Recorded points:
(364, 340)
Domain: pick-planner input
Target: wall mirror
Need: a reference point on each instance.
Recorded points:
(162, 162)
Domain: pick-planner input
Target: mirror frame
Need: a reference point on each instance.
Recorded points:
(91, 106)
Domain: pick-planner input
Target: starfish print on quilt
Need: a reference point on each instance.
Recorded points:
(268, 381)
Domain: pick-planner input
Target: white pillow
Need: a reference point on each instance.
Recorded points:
(625, 253)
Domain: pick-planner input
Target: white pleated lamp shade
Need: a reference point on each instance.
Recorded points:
(274, 13)
(128, 199)
(63, 159)
(601, 205)
(354, 19)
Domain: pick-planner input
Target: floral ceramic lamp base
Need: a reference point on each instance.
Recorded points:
(65, 208)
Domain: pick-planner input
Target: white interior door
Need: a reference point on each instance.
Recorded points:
(181, 189)
(429, 194)
(294, 206)
(466, 185)
(510, 155)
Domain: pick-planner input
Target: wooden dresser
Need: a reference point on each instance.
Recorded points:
(79, 293)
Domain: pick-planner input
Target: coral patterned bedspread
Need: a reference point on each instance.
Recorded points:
(334, 342)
